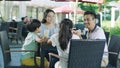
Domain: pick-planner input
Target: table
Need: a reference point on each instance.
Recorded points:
(44, 50)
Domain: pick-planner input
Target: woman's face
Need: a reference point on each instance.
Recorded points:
(50, 17)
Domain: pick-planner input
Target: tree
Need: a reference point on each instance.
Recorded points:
(94, 7)
(88, 7)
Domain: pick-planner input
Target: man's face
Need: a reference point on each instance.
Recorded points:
(89, 21)
(26, 20)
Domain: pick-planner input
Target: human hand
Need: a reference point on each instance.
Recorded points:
(77, 32)
(49, 42)
(44, 39)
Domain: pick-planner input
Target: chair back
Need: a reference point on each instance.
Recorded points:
(5, 26)
(114, 46)
(16, 34)
(86, 53)
(11, 60)
(4, 47)
(19, 31)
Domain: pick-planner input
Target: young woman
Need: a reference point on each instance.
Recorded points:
(48, 26)
(62, 41)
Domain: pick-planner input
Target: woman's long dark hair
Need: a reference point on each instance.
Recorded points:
(45, 15)
(65, 33)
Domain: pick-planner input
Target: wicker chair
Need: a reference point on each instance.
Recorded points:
(114, 46)
(10, 60)
(16, 34)
(84, 54)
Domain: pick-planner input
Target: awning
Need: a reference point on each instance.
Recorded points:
(88, 1)
(65, 9)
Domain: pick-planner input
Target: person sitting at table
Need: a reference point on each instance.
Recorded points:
(27, 58)
(48, 28)
(95, 32)
(62, 41)
(25, 20)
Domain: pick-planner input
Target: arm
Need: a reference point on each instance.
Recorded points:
(77, 32)
(104, 62)
(53, 40)
(57, 56)
(41, 40)
(105, 56)
(49, 42)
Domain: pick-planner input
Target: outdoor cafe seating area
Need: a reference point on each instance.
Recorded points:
(81, 54)
(24, 23)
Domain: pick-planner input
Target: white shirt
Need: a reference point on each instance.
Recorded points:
(98, 33)
(55, 42)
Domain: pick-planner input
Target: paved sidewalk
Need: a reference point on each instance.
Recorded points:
(12, 46)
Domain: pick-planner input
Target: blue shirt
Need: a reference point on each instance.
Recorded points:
(52, 30)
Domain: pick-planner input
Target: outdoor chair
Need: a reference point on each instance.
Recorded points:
(84, 53)
(16, 34)
(4, 26)
(114, 46)
(12, 60)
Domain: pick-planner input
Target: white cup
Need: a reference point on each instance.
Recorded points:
(46, 33)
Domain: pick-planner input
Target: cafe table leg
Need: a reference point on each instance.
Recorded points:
(42, 56)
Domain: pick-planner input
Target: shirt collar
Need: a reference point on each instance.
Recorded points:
(94, 28)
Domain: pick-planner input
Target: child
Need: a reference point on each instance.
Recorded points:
(62, 41)
(30, 43)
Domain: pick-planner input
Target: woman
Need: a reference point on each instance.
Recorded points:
(62, 41)
(48, 26)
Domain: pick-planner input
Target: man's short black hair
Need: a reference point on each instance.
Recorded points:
(22, 18)
(90, 12)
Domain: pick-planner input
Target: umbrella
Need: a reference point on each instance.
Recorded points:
(67, 9)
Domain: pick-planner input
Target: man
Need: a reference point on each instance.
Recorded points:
(25, 21)
(94, 32)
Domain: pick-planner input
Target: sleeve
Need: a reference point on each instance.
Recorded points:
(54, 40)
(105, 57)
(75, 37)
(105, 54)
(30, 39)
(100, 34)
